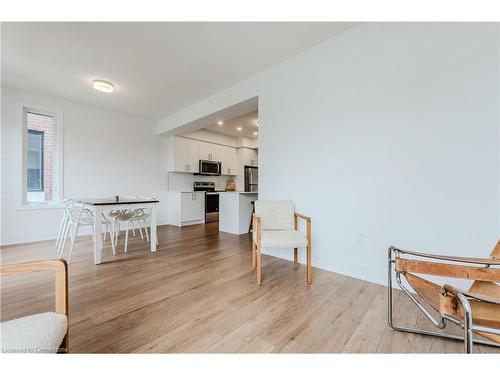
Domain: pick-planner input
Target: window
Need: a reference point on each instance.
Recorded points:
(42, 164)
(35, 160)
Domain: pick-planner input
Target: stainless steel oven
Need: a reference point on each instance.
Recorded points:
(210, 168)
(211, 200)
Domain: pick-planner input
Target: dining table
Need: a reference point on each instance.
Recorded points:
(102, 206)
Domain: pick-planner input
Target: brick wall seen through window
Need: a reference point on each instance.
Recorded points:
(43, 126)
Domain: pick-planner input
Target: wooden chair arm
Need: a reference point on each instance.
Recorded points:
(257, 227)
(308, 224)
(484, 261)
(58, 266)
(304, 217)
(256, 218)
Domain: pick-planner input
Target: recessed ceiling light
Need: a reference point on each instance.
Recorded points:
(220, 123)
(103, 86)
(239, 128)
(255, 133)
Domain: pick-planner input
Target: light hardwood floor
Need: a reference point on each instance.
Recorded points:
(198, 294)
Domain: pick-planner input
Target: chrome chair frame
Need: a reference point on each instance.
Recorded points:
(467, 324)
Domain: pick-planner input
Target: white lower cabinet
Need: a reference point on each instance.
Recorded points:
(187, 208)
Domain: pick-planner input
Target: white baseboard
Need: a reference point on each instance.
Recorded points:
(355, 270)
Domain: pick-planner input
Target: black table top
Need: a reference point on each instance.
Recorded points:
(113, 201)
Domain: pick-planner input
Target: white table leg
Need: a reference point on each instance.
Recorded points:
(153, 228)
(98, 235)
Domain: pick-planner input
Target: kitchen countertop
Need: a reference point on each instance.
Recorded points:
(220, 192)
(239, 192)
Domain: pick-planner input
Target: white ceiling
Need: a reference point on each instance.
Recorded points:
(247, 123)
(157, 68)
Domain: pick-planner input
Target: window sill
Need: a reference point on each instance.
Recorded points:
(38, 206)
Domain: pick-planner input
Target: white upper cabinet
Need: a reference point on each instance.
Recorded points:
(179, 156)
(193, 155)
(248, 156)
(185, 156)
(212, 151)
(228, 157)
(205, 151)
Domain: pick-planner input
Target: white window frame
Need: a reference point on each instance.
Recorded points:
(58, 161)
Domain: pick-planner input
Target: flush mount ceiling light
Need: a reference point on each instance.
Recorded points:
(220, 123)
(239, 128)
(103, 86)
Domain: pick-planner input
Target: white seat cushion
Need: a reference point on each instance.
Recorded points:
(40, 333)
(282, 239)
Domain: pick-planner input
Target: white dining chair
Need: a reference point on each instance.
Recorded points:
(126, 217)
(131, 218)
(143, 218)
(63, 203)
(78, 216)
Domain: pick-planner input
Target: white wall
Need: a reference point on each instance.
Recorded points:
(248, 142)
(387, 134)
(210, 136)
(105, 154)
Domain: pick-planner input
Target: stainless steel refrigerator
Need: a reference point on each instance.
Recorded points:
(251, 179)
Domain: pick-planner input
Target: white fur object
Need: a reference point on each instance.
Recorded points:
(40, 333)
(275, 215)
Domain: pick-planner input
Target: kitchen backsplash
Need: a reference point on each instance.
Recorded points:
(184, 181)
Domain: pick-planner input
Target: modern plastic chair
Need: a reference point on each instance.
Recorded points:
(76, 216)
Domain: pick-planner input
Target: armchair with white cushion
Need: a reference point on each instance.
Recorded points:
(275, 225)
(39, 333)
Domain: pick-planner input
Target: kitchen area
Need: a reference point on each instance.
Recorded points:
(213, 174)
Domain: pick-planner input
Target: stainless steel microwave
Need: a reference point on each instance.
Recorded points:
(210, 168)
